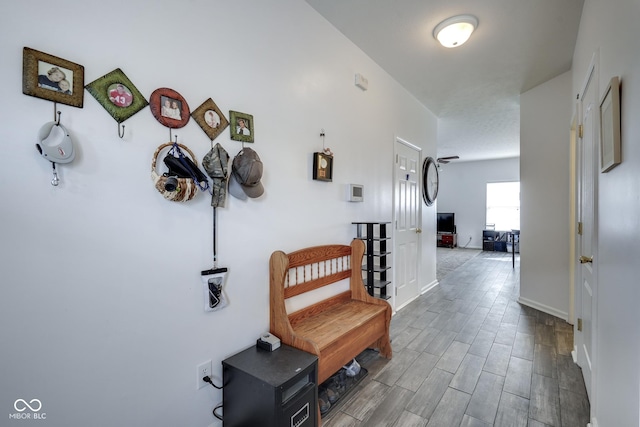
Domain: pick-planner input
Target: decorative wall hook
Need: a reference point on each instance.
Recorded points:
(56, 114)
(325, 150)
(120, 134)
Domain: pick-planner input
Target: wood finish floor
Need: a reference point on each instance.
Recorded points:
(467, 354)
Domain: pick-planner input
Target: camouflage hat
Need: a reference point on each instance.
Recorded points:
(215, 164)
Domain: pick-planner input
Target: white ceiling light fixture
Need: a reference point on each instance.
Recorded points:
(453, 32)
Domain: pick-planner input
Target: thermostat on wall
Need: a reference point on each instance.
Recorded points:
(356, 193)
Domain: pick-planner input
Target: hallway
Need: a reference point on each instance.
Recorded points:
(468, 354)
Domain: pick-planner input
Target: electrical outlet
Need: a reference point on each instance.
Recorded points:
(204, 370)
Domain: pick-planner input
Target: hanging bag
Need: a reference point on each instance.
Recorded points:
(173, 187)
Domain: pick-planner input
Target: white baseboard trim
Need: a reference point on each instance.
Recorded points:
(544, 308)
(406, 303)
(574, 354)
(425, 289)
(429, 286)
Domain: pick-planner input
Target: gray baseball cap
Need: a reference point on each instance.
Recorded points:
(215, 163)
(246, 174)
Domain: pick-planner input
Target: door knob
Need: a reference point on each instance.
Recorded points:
(418, 230)
(586, 259)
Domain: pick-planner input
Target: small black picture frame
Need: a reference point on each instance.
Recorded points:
(322, 167)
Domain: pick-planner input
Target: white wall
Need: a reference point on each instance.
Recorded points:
(545, 116)
(611, 29)
(463, 190)
(100, 305)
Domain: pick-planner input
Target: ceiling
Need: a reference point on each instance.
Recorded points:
(474, 89)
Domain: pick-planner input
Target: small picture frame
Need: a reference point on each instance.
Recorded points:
(322, 167)
(241, 126)
(54, 79)
(117, 94)
(210, 119)
(610, 127)
(169, 108)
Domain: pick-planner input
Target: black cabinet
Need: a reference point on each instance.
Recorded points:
(489, 237)
(270, 388)
(494, 240)
(376, 265)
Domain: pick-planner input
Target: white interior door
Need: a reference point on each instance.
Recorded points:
(407, 223)
(586, 289)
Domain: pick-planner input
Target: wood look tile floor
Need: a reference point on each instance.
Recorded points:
(468, 354)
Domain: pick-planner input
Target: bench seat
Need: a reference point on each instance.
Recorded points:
(339, 327)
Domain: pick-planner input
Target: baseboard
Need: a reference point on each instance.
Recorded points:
(544, 308)
(406, 303)
(574, 354)
(429, 286)
(424, 290)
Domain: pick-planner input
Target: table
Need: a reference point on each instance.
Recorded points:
(513, 236)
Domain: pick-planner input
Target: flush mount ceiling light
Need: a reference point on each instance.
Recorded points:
(456, 30)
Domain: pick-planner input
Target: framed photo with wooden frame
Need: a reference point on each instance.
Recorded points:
(241, 126)
(169, 108)
(210, 119)
(54, 79)
(322, 167)
(117, 94)
(610, 127)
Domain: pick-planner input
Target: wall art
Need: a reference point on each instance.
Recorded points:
(241, 126)
(610, 127)
(117, 94)
(210, 119)
(322, 167)
(54, 79)
(169, 108)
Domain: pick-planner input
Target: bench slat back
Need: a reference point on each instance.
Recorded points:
(313, 268)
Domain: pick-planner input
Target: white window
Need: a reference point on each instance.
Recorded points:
(503, 205)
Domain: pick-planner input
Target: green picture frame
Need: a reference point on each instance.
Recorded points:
(117, 94)
(241, 126)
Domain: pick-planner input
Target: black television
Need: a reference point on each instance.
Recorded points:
(446, 222)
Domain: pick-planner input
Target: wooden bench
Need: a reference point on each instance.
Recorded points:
(337, 328)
